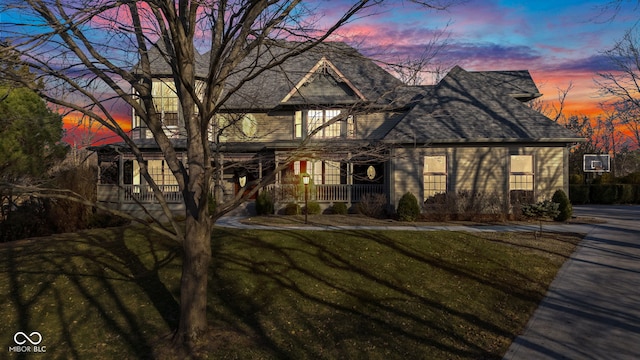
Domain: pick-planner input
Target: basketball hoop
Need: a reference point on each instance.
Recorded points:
(596, 163)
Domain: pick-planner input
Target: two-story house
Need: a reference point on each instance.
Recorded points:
(356, 129)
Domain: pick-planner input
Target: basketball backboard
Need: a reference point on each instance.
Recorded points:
(596, 163)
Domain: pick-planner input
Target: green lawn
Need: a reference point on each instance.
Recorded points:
(106, 294)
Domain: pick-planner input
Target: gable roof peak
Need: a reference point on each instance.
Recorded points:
(323, 66)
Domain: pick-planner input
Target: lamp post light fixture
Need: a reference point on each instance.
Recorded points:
(242, 180)
(305, 181)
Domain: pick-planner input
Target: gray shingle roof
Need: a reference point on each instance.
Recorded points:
(160, 67)
(518, 84)
(266, 90)
(269, 88)
(465, 107)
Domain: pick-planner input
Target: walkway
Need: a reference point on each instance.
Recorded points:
(235, 222)
(592, 308)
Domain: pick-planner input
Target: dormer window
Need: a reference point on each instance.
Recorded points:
(319, 123)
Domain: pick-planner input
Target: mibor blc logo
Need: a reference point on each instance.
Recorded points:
(27, 343)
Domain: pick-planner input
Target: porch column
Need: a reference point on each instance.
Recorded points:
(120, 181)
(349, 180)
(219, 181)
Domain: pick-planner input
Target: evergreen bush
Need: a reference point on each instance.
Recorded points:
(632, 178)
(292, 209)
(264, 204)
(313, 208)
(579, 194)
(576, 179)
(565, 210)
(408, 208)
(339, 208)
(546, 208)
(603, 194)
(625, 194)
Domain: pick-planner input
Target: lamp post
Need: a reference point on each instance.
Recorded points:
(305, 181)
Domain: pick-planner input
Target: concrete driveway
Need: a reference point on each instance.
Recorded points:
(592, 308)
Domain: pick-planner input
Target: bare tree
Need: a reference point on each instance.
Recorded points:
(624, 83)
(609, 10)
(76, 47)
(555, 110)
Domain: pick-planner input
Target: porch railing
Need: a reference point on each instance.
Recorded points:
(139, 193)
(281, 193)
(323, 192)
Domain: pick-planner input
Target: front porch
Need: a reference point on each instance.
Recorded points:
(121, 185)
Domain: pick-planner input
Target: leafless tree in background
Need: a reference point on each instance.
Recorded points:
(623, 84)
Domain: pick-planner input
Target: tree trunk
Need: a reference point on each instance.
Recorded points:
(193, 286)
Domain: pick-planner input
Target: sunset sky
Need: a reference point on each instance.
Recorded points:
(559, 42)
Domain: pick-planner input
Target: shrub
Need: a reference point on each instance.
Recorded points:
(632, 178)
(625, 194)
(576, 179)
(264, 204)
(565, 210)
(339, 208)
(605, 178)
(602, 194)
(105, 220)
(464, 205)
(439, 207)
(66, 215)
(313, 208)
(292, 209)
(373, 205)
(472, 205)
(28, 219)
(408, 209)
(579, 194)
(546, 208)
(636, 194)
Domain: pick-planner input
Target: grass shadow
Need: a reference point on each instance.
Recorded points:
(94, 292)
(360, 293)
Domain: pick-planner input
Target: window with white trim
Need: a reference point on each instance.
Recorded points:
(317, 120)
(322, 172)
(165, 100)
(434, 175)
(521, 172)
(158, 170)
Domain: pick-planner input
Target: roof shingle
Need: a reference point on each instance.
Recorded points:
(464, 107)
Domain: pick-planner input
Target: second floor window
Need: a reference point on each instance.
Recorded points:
(166, 102)
(319, 121)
